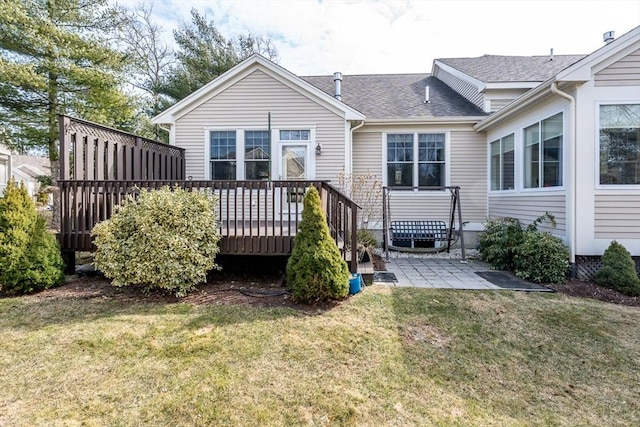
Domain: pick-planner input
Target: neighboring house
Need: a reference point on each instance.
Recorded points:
(491, 125)
(27, 169)
(5, 168)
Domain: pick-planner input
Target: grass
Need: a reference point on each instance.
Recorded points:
(384, 357)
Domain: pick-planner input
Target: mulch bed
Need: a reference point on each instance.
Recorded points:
(586, 289)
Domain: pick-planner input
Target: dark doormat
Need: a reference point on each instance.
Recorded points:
(508, 280)
(384, 277)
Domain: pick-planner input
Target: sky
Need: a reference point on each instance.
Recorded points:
(319, 37)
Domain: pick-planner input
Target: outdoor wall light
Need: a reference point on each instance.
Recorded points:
(318, 149)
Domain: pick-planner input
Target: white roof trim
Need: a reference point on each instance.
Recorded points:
(170, 115)
(459, 74)
(578, 72)
(426, 120)
(512, 85)
(581, 70)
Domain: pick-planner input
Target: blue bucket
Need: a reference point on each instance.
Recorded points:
(355, 283)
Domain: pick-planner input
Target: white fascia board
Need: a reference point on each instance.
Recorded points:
(427, 120)
(457, 73)
(240, 71)
(511, 85)
(581, 70)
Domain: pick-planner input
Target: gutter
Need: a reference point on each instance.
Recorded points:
(572, 168)
(445, 120)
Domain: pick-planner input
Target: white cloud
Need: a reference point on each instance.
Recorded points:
(363, 36)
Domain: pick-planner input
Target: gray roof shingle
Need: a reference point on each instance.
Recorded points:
(497, 68)
(398, 96)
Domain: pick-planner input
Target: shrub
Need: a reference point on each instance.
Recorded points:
(618, 270)
(316, 270)
(541, 258)
(165, 239)
(367, 238)
(499, 242)
(29, 255)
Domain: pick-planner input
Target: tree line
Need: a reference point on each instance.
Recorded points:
(102, 62)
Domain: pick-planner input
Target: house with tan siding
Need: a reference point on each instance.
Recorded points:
(503, 129)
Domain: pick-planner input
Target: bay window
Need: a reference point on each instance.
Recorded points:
(619, 128)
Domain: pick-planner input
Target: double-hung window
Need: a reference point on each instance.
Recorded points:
(416, 159)
(223, 155)
(620, 144)
(543, 153)
(239, 154)
(502, 163)
(256, 155)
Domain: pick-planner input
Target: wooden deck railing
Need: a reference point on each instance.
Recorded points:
(89, 151)
(254, 217)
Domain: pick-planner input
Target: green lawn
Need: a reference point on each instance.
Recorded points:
(385, 357)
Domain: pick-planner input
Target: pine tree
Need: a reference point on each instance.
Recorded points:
(316, 270)
(55, 58)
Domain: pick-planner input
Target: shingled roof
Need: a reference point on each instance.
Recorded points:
(398, 96)
(496, 68)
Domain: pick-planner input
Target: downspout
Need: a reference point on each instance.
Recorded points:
(351, 148)
(573, 175)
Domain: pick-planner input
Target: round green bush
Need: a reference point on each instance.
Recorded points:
(618, 270)
(542, 258)
(499, 242)
(316, 270)
(29, 254)
(165, 239)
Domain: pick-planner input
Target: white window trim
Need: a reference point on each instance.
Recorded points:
(240, 143)
(564, 155)
(447, 158)
(597, 184)
(277, 143)
(515, 164)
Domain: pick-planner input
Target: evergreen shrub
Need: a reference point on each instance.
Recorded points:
(165, 239)
(29, 254)
(316, 270)
(618, 270)
(541, 258)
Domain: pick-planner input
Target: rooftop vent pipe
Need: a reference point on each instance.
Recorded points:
(426, 94)
(551, 55)
(609, 36)
(337, 80)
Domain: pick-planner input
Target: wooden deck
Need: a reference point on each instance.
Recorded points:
(100, 167)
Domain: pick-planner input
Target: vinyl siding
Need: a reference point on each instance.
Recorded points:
(467, 170)
(625, 72)
(466, 89)
(245, 105)
(528, 207)
(497, 104)
(617, 216)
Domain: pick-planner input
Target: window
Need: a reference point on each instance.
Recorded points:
(620, 144)
(223, 155)
(543, 153)
(295, 135)
(256, 155)
(502, 164)
(416, 160)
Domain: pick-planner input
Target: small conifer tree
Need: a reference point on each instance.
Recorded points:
(315, 270)
(618, 270)
(29, 255)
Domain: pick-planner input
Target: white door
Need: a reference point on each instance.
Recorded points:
(294, 164)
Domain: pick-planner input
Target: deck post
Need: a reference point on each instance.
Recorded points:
(69, 258)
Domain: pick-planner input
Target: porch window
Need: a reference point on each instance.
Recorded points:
(502, 164)
(543, 153)
(620, 144)
(223, 155)
(256, 155)
(416, 159)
